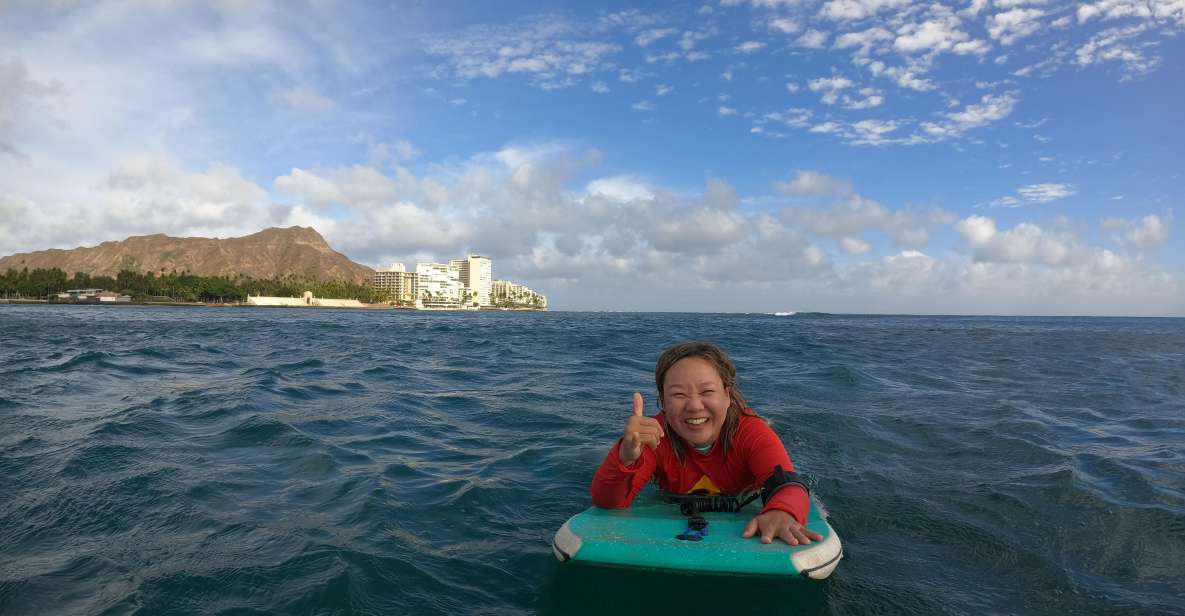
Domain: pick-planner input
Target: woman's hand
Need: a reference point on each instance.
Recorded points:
(778, 523)
(640, 431)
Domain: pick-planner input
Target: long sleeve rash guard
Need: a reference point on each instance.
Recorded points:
(751, 459)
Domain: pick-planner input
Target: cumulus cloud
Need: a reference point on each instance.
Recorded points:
(830, 87)
(1024, 243)
(808, 183)
(852, 215)
(1149, 231)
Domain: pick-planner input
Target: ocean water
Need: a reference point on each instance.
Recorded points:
(252, 461)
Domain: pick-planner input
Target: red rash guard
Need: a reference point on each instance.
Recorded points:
(754, 453)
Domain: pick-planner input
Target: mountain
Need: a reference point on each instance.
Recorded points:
(271, 253)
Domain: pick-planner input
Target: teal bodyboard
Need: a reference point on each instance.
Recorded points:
(645, 535)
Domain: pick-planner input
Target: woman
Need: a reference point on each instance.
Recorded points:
(705, 440)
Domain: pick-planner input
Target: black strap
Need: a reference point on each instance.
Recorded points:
(694, 504)
(778, 480)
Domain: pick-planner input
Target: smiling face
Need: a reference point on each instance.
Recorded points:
(695, 400)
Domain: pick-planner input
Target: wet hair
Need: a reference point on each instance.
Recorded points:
(728, 375)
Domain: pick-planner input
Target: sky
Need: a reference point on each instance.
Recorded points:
(1016, 157)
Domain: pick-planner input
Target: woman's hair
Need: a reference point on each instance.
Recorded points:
(728, 375)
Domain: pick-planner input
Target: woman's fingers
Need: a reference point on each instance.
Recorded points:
(777, 524)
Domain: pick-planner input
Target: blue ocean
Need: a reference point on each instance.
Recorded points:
(166, 460)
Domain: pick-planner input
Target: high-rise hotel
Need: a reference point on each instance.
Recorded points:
(459, 284)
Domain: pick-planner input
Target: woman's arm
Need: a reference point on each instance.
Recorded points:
(616, 485)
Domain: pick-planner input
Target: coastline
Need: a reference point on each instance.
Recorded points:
(45, 302)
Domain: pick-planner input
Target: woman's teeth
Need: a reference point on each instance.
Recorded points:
(697, 421)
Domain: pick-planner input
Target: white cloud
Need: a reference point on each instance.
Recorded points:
(1158, 10)
(1034, 194)
(812, 39)
(784, 25)
(864, 39)
(871, 98)
(644, 106)
(662, 89)
(853, 10)
(304, 99)
(991, 107)
(621, 188)
(599, 87)
(1024, 243)
(726, 111)
(547, 51)
(749, 47)
(852, 215)
(1147, 232)
(1044, 193)
(830, 87)
(649, 36)
(1112, 45)
(1010, 26)
(941, 34)
(815, 184)
(855, 246)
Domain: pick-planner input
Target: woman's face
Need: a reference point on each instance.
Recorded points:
(695, 400)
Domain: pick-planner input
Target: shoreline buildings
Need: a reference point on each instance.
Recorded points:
(460, 284)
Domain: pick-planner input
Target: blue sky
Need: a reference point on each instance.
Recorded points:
(975, 157)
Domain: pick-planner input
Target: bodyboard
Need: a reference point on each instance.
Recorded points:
(645, 535)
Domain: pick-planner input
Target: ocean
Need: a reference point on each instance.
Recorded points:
(287, 461)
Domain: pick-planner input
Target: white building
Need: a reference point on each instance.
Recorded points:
(477, 276)
(509, 294)
(438, 285)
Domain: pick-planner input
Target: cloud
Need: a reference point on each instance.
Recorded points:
(1010, 26)
(854, 10)
(808, 183)
(662, 89)
(303, 99)
(864, 39)
(726, 111)
(19, 97)
(644, 106)
(646, 38)
(854, 246)
(934, 35)
(749, 47)
(852, 215)
(1147, 232)
(784, 25)
(1025, 243)
(1034, 193)
(1112, 45)
(1158, 10)
(812, 39)
(990, 108)
(599, 87)
(830, 87)
(549, 51)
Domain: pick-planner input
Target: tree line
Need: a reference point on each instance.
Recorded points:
(178, 286)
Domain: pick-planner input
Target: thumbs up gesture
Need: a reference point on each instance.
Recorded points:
(640, 431)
